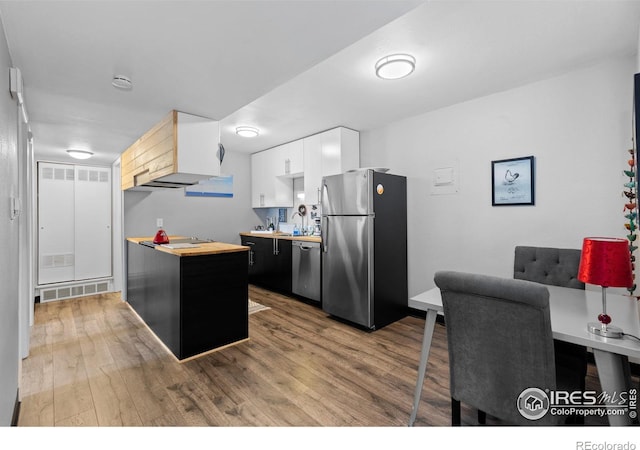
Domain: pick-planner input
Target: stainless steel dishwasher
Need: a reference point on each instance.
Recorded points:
(305, 265)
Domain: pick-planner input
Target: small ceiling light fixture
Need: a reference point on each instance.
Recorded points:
(247, 131)
(122, 82)
(396, 66)
(80, 154)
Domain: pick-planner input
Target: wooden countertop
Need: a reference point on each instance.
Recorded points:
(279, 235)
(208, 248)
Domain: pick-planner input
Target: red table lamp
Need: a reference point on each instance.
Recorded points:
(607, 263)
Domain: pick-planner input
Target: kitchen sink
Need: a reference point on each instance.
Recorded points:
(270, 232)
(190, 240)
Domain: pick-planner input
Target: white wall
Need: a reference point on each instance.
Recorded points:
(578, 127)
(205, 217)
(9, 260)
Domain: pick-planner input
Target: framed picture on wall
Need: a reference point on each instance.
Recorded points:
(512, 182)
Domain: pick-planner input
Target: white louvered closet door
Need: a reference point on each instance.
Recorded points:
(92, 222)
(56, 223)
(74, 223)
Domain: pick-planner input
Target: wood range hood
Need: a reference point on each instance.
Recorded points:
(179, 151)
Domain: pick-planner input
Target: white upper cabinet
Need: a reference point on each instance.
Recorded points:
(268, 188)
(329, 153)
(289, 159)
(312, 168)
(258, 179)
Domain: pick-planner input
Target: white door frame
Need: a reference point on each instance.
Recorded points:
(119, 278)
(25, 235)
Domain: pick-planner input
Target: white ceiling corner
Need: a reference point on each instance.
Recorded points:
(289, 68)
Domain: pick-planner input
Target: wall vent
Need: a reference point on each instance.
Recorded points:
(60, 174)
(61, 260)
(80, 290)
(90, 175)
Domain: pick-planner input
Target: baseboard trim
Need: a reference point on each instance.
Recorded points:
(16, 410)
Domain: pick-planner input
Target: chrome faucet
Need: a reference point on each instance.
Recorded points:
(302, 229)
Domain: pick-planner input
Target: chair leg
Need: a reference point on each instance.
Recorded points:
(482, 417)
(579, 418)
(455, 412)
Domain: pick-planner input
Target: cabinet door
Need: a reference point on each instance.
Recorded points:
(340, 151)
(281, 193)
(331, 151)
(288, 159)
(136, 278)
(197, 145)
(349, 149)
(312, 168)
(278, 156)
(270, 263)
(259, 178)
(258, 254)
(92, 222)
(268, 190)
(281, 280)
(276, 273)
(294, 159)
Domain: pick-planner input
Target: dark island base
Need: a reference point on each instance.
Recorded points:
(193, 304)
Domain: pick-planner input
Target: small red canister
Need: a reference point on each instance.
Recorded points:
(161, 237)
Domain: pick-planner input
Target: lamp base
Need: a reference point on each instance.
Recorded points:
(611, 332)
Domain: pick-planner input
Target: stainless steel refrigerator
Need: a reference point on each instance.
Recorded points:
(364, 247)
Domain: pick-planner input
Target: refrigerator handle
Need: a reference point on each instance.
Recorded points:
(325, 233)
(322, 189)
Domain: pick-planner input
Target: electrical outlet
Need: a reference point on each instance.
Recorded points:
(159, 223)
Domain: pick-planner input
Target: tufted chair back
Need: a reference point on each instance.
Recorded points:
(557, 267)
(551, 266)
(499, 342)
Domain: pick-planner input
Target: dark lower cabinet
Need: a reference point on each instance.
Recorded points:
(192, 303)
(258, 265)
(269, 262)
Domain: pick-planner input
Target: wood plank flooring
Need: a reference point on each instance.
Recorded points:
(93, 363)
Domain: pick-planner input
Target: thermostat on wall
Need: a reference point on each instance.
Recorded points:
(444, 178)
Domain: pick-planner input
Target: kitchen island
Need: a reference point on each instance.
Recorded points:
(195, 299)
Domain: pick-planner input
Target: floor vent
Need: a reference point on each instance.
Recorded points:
(79, 290)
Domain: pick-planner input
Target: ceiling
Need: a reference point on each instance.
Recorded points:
(289, 68)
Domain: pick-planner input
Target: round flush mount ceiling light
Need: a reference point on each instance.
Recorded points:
(247, 131)
(122, 82)
(396, 66)
(80, 154)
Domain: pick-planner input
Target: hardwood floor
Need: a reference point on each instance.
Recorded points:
(93, 363)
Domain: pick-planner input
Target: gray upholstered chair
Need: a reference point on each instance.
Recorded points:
(557, 267)
(546, 265)
(500, 343)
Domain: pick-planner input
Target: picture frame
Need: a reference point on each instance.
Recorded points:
(220, 186)
(512, 182)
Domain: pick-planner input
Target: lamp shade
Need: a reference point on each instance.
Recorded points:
(605, 262)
